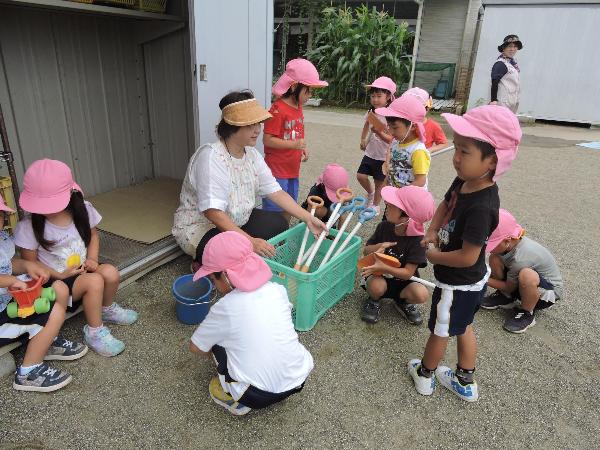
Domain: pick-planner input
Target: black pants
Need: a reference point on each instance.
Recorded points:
(254, 397)
(261, 224)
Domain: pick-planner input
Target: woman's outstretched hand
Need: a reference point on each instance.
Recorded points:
(263, 248)
(315, 225)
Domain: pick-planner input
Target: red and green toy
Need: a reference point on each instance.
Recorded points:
(33, 299)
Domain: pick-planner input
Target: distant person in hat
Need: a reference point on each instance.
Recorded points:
(506, 86)
(249, 332)
(223, 180)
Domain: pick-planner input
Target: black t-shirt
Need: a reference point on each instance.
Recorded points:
(471, 217)
(319, 191)
(408, 249)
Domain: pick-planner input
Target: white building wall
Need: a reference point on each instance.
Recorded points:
(560, 60)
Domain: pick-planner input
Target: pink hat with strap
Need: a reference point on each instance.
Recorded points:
(494, 124)
(298, 71)
(507, 228)
(333, 178)
(384, 83)
(407, 107)
(422, 95)
(232, 253)
(416, 202)
(47, 187)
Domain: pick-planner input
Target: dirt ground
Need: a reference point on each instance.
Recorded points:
(538, 390)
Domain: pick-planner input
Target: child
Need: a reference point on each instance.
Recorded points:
(375, 140)
(249, 331)
(400, 236)
(525, 270)
(435, 139)
(407, 161)
(61, 233)
(486, 141)
(33, 374)
(284, 132)
(333, 178)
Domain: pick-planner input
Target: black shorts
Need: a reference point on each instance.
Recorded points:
(462, 309)
(371, 167)
(254, 397)
(69, 282)
(394, 287)
(18, 329)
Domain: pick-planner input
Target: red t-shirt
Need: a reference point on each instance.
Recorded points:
(434, 134)
(287, 123)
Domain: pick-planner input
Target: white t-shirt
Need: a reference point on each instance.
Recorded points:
(376, 147)
(257, 333)
(216, 180)
(68, 248)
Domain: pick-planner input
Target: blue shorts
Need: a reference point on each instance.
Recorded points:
(289, 185)
(463, 307)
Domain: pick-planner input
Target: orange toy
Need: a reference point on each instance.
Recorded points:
(33, 299)
(369, 260)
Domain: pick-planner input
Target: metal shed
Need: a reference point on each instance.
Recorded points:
(560, 60)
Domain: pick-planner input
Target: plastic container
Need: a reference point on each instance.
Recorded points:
(313, 293)
(192, 298)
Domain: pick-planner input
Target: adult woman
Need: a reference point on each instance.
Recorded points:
(505, 74)
(223, 181)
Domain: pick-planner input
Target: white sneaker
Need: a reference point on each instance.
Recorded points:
(377, 210)
(423, 385)
(447, 378)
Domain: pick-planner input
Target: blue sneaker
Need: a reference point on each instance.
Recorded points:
(222, 398)
(423, 385)
(41, 379)
(448, 379)
(102, 342)
(115, 313)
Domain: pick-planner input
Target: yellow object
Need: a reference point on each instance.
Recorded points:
(420, 162)
(74, 260)
(25, 311)
(9, 199)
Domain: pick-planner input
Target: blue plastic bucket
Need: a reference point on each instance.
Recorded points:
(192, 298)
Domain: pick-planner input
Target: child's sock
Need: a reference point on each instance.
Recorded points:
(94, 330)
(465, 376)
(24, 370)
(108, 308)
(423, 371)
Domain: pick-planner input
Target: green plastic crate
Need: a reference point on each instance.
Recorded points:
(313, 293)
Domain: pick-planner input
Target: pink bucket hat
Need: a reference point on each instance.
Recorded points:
(47, 187)
(507, 228)
(298, 71)
(384, 83)
(416, 202)
(232, 253)
(422, 95)
(494, 124)
(333, 177)
(407, 107)
(4, 206)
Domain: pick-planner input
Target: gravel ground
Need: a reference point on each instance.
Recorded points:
(538, 390)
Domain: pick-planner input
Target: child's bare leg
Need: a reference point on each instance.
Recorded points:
(38, 346)
(434, 351)
(376, 287)
(90, 287)
(62, 293)
(365, 182)
(497, 267)
(466, 346)
(379, 184)
(415, 293)
(529, 280)
(111, 277)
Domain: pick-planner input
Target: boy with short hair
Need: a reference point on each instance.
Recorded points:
(525, 270)
(249, 332)
(486, 141)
